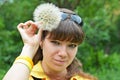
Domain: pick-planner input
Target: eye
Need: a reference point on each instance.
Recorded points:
(55, 42)
(72, 45)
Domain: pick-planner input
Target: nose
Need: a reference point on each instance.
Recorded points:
(62, 51)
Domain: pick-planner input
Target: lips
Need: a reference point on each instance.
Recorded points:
(59, 62)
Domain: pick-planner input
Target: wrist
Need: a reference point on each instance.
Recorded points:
(28, 51)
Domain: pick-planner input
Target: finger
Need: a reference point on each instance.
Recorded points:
(21, 29)
(25, 27)
(28, 23)
(20, 26)
(32, 27)
(31, 23)
(31, 30)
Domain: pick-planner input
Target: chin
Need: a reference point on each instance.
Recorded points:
(58, 68)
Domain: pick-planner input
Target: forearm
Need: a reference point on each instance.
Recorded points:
(21, 68)
(20, 71)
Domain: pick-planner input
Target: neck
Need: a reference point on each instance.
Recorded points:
(54, 75)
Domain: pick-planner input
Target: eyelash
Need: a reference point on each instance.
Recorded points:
(72, 45)
(58, 43)
(55, 42)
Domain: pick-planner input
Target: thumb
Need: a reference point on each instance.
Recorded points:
(20, 27)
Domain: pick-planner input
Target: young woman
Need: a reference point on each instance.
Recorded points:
(52, 52)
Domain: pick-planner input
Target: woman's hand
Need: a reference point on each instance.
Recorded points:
(30, 37)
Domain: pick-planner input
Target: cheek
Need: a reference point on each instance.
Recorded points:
(73, 53)
(47, 50)
(72, 56)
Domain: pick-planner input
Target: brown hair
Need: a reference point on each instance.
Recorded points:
(67, 30)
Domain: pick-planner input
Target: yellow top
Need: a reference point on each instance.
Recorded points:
(38, 72)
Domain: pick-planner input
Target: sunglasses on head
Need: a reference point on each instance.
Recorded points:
(72, 17)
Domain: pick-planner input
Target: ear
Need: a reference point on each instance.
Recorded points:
(41, 44)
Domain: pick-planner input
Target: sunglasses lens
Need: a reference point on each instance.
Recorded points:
(76, 18)
(64, 16)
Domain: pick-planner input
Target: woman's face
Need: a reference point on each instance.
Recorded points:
(58, 55)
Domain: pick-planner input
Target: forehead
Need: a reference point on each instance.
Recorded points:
(59, 41)
(64, 37)
(66, 31)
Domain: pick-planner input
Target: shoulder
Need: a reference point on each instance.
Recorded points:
(77, 77)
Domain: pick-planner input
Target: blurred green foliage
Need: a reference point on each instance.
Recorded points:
(99, 53)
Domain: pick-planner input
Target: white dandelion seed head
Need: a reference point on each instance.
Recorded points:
(47, 14)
